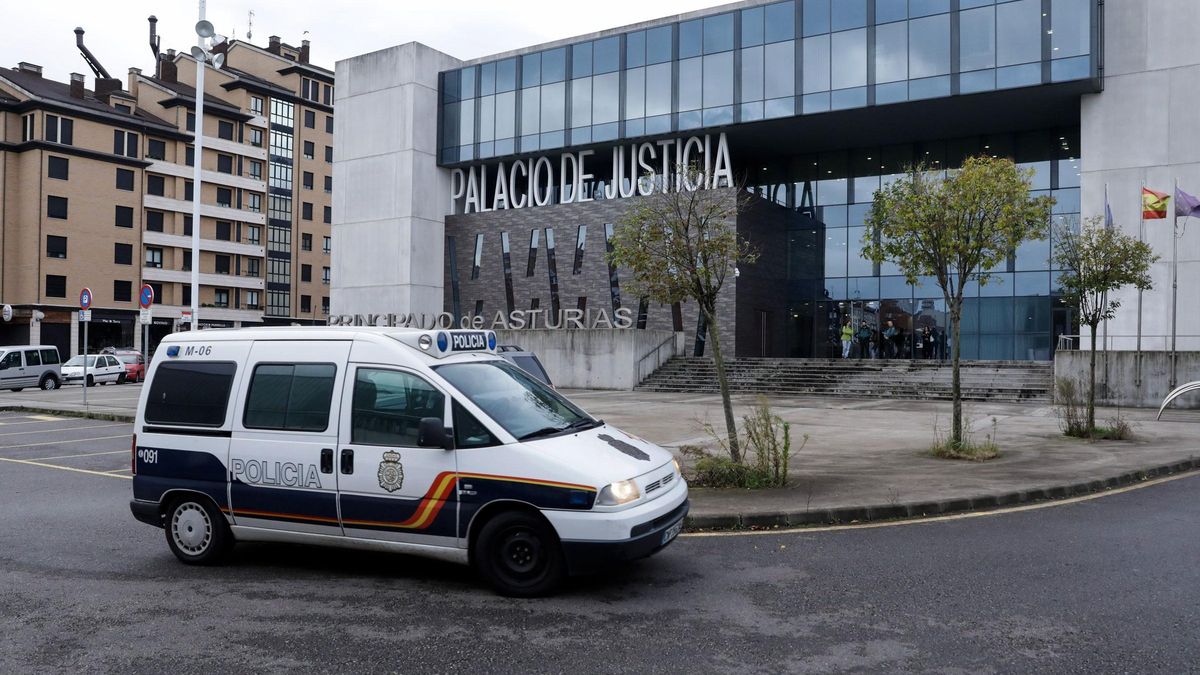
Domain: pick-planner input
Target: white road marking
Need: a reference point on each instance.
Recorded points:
(77, 440)
(64, 468)
(43, 431)
(86, 454)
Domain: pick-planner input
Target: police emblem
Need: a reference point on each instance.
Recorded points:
(391, 472)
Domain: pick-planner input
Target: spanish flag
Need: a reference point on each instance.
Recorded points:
(1154, 204)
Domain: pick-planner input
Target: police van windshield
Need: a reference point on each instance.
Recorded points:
(525, 407)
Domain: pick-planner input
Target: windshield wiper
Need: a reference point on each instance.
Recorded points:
(585, 424)
(578, 425)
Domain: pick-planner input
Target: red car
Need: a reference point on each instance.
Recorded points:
(134, 362)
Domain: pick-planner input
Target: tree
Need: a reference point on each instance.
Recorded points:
(955, 228)
(1096, 262)
(682, 243)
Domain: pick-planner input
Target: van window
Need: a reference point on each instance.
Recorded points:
(513, 398)
(49, 357)
(32, 358)
(11, 360)
(469, 432)
(190, 392)
(389, 405)
(290, 396)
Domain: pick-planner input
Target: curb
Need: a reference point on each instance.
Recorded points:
(918, 510)
(85, 414)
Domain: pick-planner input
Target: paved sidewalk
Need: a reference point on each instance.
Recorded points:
(867, 459)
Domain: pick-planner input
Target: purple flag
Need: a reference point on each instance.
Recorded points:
(1185, 204)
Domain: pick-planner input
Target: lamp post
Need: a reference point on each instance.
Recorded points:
(203, 55)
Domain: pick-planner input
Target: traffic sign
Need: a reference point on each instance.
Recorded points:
(146, 317)
(7, 313)
(185, 316)
(85, 315)
(147, 297)
(85, 298)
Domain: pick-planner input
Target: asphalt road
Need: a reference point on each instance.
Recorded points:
(1106, 585)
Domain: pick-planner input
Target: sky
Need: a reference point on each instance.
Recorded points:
(117, 32)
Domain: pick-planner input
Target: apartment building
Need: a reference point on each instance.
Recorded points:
(70, 155)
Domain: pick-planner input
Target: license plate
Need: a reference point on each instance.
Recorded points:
(672, 531)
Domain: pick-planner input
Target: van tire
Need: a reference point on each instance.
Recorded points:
(18, 389)
(49, 383)
(196, 531)
(519, 555)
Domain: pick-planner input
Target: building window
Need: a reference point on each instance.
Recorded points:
(254, 202)
(310, 119)
(306, 304)
(306, 242)
(477, 260)
(256, 105)
(306, 273)
(56, 247)
(154, 221)
(329, 124)
(123, 254)
(253, 234)
(255, 169)
(56, 286)
(328, 98)
(309, 150)
(278, 303)
(156, 149)
(158, 291)
(124, 216)
(221, 264)
(224, 231)
(225, 130)
(306, 211)
(189, 156)
(27, 128)
(187, 262)
(187, 226)
(59, 167)
(327, 216)
(253, 268)
(533, 249)
(155, 185)
(252, 299)
(328, 184)
(325, 275)
(122, 291)
(224, 197)
(221, 297)
(224, 164)
(328, 154)
(154, 257)
(325, 244)
(60, 130)
(185, 294)
(307, 180)
(324, 304)
(191, 121)
(580, 242)
(256, 138)
(125, 143)
(124, 179)
(56, 207)
(187, 191)
(279, 239)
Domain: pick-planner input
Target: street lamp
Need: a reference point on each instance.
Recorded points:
(206, 39)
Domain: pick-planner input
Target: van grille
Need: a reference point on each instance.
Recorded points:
(661, 482)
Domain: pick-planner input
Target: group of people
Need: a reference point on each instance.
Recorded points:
(892, 342)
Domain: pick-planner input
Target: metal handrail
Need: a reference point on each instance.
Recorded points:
(653, 352)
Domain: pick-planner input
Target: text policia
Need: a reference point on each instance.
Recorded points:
(636, 170)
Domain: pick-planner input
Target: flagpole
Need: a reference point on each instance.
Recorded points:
(1174, 280)
(1104, 296)
(1137, 380)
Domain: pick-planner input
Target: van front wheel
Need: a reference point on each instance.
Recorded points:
(519, 555)
(196, 532)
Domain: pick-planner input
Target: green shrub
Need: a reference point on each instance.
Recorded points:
(1073, 420)
(767, 434)
(945, 448)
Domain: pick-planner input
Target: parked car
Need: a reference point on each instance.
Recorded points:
(101, 368)
(29, 366)
(134, 362)
(526, 361)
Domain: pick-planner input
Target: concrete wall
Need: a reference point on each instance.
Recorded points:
(388, 227)
(595, 359)
(1144, 129)
(1117, 382)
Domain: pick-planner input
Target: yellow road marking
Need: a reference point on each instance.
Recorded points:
(85, 454)
(46, 418)
(112, 471)
(64, 468)
(949, 517)
(75, 440)
(35, 419)
(43, 431)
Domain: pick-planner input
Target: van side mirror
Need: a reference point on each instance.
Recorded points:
(431, 434)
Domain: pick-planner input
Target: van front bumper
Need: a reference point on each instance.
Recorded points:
(146, 512)
(648, 538)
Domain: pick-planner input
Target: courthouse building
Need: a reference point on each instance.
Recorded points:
(490, 188)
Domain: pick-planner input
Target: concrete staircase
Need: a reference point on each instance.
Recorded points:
(999, 381)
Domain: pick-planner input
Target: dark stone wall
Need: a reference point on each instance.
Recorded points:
(592, 281)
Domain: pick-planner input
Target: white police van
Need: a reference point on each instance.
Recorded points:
(422, 442)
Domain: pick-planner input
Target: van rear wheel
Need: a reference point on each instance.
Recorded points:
(519, 555)
(49, 383)
(196, 532)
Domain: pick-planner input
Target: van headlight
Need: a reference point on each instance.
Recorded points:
(678, 466)
(620, 492)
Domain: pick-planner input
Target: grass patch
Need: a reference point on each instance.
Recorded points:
(716, 471)
(1116, 430)
(968, 450)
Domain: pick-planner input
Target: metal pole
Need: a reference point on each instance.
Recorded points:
(197, 190)
(85, 355)
(1174, 281)
(1141, 238)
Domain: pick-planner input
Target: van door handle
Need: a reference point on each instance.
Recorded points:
(327, 460)
(347, 461)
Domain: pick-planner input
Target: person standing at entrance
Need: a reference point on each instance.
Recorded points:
(847, 337)
(864, 339)
(889, 340)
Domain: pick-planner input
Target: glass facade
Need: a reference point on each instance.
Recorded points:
(768, 61)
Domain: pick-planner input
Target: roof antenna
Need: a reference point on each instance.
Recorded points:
(250, 26)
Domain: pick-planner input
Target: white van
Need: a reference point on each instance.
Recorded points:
(30, 366)
(421, 442)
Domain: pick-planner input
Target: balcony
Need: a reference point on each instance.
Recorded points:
(206, 210)
(213, 177)
(206, 279)
(216, 245)
(244, 149)
(211, 313)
